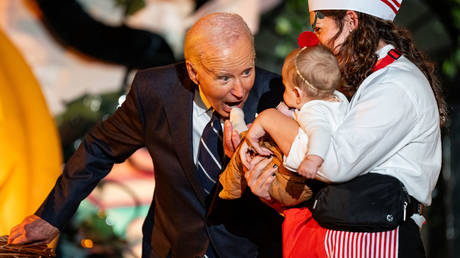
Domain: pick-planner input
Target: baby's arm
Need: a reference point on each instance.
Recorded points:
(281, 128)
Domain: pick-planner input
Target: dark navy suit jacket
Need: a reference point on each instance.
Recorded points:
(157, 114)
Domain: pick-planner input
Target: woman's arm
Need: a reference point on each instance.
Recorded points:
(375, 129)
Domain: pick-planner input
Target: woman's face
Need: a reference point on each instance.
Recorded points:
(326, 28)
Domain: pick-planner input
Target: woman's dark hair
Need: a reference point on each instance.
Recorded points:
(357, 55)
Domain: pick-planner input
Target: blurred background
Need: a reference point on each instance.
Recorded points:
(65, 65)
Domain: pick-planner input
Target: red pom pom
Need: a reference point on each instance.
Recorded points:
(307, 39)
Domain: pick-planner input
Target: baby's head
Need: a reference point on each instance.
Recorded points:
(309, 73)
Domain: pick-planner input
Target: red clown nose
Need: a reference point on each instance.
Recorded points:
(307, 39)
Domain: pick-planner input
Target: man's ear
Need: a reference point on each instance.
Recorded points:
(192, 73)
(351, 20)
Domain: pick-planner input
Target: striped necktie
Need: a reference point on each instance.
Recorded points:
(210, 154)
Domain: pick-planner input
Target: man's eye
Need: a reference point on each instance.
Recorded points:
(224, 78)
(247, 71)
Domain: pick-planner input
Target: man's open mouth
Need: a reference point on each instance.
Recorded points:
(234, 104)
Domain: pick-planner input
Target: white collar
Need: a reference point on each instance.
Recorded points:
(200, 106)
(384, 51)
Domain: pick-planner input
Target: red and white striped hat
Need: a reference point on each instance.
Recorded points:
(385, 9)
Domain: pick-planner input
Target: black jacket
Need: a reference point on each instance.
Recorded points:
(157, 114)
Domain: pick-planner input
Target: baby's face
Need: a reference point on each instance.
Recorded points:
(289, 96)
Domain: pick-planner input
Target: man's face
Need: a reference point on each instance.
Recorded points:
(226, 75)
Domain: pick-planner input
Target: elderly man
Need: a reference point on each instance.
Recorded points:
(177, 112)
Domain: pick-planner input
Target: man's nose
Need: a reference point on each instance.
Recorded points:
(238, 89)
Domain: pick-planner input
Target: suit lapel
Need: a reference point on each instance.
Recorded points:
(180, 121)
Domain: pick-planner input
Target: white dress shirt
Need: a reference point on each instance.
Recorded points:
(201, 115)
(392, 127)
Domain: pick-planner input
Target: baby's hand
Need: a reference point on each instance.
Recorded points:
(255, 132)
(309, 166)
(283, 108)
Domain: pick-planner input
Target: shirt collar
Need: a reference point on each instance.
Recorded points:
(384, 51)
(202, 104)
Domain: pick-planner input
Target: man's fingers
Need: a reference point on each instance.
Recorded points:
(229, 148)
(16, 240)
(32, 229)
(14, 234)
(244, 155)
(236, 139)
(20, 240)
(227, 131)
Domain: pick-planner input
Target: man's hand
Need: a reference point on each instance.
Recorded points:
(309, 166)
(260, 177)
(32, 229)
(231, 139)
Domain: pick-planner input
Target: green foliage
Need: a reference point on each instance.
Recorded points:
(95, 227)
(292, 21)
(81, 115)
(451, 65)
(278, 33)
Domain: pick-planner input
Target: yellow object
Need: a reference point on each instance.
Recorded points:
(87, 243)
(30, 152)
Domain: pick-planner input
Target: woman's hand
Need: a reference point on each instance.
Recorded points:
(260, 176)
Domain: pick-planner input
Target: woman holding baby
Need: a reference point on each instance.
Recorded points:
(391, 128)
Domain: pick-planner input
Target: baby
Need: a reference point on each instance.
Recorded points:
(311, 76)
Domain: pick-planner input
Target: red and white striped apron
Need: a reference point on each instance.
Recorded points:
(304, 237)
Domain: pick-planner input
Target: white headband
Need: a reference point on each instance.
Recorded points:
(385, 9)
